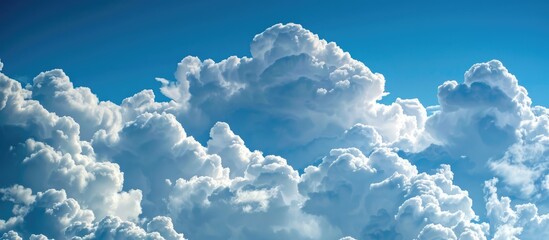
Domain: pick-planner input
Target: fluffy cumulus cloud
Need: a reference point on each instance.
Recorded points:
(384, 197)
(480, 117)
(488, 125)
(42, 150)
(56, 93)
(331, 162)
(522, 221)
(523, 167)
(295, 89)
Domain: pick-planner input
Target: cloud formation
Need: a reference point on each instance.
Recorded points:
(347, 188)
(484, 112)
(43, 151)
(295, 89)
(75, 167)
(521, 221)
(489, 126)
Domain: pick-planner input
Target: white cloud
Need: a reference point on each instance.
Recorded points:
(11, 235)
(152, 148)
(479, 118)
(164, 226)
(523, 167)
(159, 228)
(521, 221)
(230, 147)
(49, 212)
(77, 167)
(45, 151)
(38, 237)
(383, 196)
(436, 231)
(263, 203)
(295, 89)
(52, 214)
(56, 93)
(489, 121)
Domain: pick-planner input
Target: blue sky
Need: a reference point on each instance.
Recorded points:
(261, 120)
(118, 48)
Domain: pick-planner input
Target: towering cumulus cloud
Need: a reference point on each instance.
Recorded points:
(294, 91)
(335, 164)
(488, 121)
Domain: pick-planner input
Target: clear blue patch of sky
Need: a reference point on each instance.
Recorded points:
(117, 48)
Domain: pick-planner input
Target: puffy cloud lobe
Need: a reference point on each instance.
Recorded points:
(25, 118)
(523, 166)
(489, 122)
(62, 160)
(482, 117)
(513, 222)
(159, 228)
(479, 117)
(347, 238)
(143, 102)
(114, 228)
(164, 226)
(11, 235)
(38, 237)
(295, 89)
(436, 231)
(263, 203)
(56, 93)
(43, 151)
(154, 148)
(400, 124)
(494, 74)
(347, 188)
(48, 147)
(281, 40)
(230, 147)
(97, 184)
(52, 214)
(49, 212)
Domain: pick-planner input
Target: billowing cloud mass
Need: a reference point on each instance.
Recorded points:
(289, 143)
(296, 89)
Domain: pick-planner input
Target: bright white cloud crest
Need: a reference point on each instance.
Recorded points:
(296, 88)
(75, 167)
